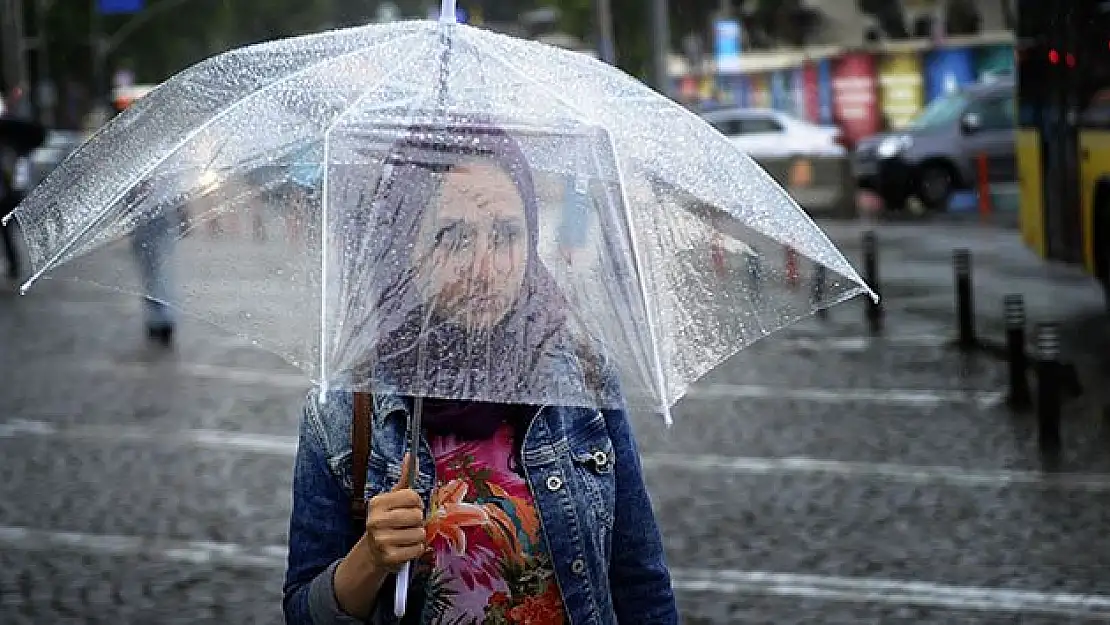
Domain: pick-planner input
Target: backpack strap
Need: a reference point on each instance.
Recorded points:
(360, 456)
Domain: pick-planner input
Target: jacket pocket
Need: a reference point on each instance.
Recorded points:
(593, 458)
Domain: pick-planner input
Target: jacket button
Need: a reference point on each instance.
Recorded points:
(578, 567)
(601, 459)
(554, 482)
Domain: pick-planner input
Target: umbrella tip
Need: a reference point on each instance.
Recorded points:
(448, 12)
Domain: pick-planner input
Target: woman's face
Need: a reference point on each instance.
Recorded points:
(474, 245)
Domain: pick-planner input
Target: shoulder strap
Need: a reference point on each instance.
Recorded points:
(360, 455)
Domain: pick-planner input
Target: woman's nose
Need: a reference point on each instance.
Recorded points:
(483, 262)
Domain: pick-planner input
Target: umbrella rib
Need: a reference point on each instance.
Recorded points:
(368, 90)
(324, 242)
(582, 115)
(234, 106)
(637, 258)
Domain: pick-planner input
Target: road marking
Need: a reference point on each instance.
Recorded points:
(915, 474)
(853, 344)
(920, 398)
(195, 552)
(285, 446)
(889, 591)
(720, 581)
(238, 375)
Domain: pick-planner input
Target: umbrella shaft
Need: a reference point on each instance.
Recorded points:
(414, 439)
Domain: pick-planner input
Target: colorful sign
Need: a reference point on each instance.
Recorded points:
(738, 87)
(797, 92)
(707, 89)
(760, 94)
(780, 95)
(900, 89)
(855, 105)
(119, 7)
(824, 92)
(947, 71)
(811, 99)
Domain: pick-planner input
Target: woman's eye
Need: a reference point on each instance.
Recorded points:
(462, 242)
(453, 240)
(504, 239)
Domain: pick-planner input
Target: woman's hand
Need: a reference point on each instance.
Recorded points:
(394, 535)
(395, 525)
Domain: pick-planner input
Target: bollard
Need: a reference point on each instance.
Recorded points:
(1048, 386)
(965, 305)
(874, 310)
(820, 276)
(1020, 396)
(791, 267)
(717, 254)
(258, 227)
(755, 276)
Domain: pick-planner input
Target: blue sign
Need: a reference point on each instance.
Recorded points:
(947, 71)
(119, 7)
(727, 46)
(824, 92)
(779, 96)
(738, 86)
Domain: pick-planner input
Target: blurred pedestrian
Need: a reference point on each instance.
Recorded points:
(152, 244)
(10, 197)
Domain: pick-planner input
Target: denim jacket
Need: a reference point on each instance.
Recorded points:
(579, 464)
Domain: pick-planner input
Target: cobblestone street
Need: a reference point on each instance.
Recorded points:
(821, 476)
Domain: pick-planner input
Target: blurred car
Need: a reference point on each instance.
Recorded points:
(766, 133)
(935, 154)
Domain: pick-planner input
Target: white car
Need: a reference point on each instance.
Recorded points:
(773, 134)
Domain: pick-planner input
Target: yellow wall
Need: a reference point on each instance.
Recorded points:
(1030, 186)
(1095, 167)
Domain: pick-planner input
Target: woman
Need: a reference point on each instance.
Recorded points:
(513, 517)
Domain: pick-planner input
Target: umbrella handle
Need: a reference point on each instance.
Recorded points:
(401, 590)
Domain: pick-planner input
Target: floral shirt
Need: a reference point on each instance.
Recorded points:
(488, 562)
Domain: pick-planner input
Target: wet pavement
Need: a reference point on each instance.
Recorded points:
(822, 476)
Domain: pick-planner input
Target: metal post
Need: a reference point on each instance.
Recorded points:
(661, 38)
(820, 277)
(1049, 396)
(14, 45)
(965, 305)
(984, 187)
(874, 311)
(791, 267)
(45, 91)
(96, 51)
(606, 47)
(755, 276)
(1020, 396)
